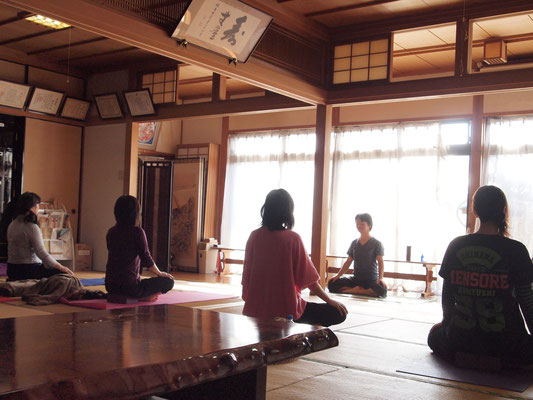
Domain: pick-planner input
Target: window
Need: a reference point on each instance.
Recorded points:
(259, 163)
(508, 155)
(162, 86)
(411, 178)
(359, 62)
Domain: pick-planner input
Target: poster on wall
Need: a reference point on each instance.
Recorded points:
(186, 214)
(148, 135)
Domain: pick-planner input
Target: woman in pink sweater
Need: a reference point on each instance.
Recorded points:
(277, 268)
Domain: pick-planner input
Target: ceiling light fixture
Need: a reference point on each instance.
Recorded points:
(52, 23)
(495, 52)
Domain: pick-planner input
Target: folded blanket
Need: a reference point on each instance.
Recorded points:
(38, 292)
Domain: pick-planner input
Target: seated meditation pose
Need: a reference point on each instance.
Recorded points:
(27, 257)
(277, 268)
(367, 256)
(127, 252)
(487, 281)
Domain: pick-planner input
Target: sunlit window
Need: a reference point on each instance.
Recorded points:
(259, 163)
(412, 179)
(509, 153)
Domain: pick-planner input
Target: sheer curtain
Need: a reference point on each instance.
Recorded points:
(507, 162)
(259, 163)
(411, 178)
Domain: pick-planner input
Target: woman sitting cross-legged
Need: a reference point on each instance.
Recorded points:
(127, 253)
(487, 287)
(277, 268)
(27, 257)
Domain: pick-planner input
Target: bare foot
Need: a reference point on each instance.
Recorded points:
(151, 298)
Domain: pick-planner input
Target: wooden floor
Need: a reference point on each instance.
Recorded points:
(378, 337)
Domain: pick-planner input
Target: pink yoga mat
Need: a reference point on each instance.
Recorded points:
(172, 297)
(4, 299)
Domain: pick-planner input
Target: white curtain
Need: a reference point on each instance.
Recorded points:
(507, 164)
(411, 178)
(259, 163)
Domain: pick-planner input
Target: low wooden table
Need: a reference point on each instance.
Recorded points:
(165, 350)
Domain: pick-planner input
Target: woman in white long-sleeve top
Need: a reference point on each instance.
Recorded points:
(27, 257)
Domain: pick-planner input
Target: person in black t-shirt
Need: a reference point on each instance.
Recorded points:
(487, 280)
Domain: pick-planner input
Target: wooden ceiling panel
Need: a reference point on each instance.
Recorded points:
(442, 61)
(87, 50)
(520, 49)
(311, 6)
(436, 36)
(20, 29)
(504, 26)
(106, 61)
(193, 72)
(413, 66)
(354, 17)
(195, 90)
(54, 39)
(7, 12)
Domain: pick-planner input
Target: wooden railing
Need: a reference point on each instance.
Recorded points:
(428, 277)
(226, 260)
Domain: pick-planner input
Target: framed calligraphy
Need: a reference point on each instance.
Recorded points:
(108, 106)
(75, 109)
(13, 95)
(139, 102)
(45, 101)
(227, 27)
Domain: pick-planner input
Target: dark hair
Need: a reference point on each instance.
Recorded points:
(127, 210)
(490, 204)
(277, 212)
(25, 203)
(365, 217)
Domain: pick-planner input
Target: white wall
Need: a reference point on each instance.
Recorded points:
(102, 184)
(207, 130)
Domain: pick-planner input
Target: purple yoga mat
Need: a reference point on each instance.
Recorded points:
(432, 366)
(172, 297)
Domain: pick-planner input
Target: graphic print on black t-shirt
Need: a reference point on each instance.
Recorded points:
(476, 281)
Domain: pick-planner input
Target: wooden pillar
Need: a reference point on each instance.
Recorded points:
(321, 190)
(476, 156)
(463, 44)
(131, 155)
(218, 88)
(223, 159)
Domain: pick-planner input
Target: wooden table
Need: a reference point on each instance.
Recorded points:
(165, 350)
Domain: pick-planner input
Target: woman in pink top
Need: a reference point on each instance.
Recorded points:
(277, 268)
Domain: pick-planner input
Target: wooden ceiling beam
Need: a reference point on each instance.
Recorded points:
(348, 8)
(31, 36)
(21, 15)
(42, 61)
(94, 55)
(249, 105)
(134, 32)
(66, 46)
(433, 87)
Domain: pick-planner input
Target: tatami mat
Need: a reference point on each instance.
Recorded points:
(396, 329)
(292, 372)
(346, 384)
